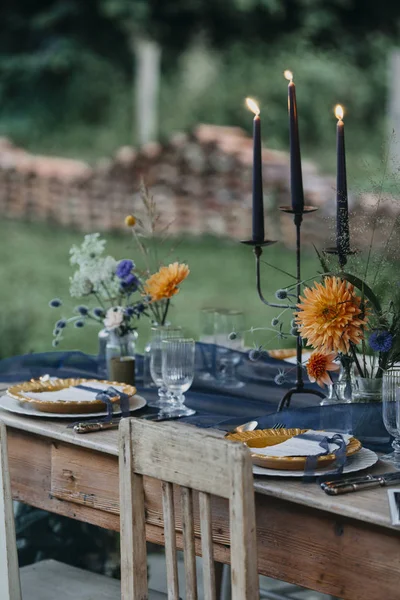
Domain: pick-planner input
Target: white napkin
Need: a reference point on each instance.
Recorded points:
(297, 446)
(72, 393)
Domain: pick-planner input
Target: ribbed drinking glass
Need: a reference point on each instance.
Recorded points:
(178, 373)
(390, 412)
(158, 334)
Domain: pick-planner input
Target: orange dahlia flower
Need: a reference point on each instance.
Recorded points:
(164, 283)
(330, 316)
(319, 365)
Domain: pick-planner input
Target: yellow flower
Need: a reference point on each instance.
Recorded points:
(319, 365)
(130, 221)
(164, 283)
(330, 316)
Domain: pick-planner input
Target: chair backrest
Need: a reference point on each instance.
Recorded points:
(195, 460)
(10, 587)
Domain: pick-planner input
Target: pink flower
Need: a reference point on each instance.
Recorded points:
(114, 317)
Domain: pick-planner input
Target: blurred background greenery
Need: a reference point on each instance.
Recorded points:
(67, 76)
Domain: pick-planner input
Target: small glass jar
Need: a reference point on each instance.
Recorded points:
(120, 347)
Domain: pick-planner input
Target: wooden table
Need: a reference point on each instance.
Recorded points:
(342, 546)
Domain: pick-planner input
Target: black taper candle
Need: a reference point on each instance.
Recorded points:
(258, 202)
(342, 209)
(296, 178)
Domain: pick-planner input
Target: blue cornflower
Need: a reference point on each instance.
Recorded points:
(381, 340)
(82, 310)
(124, 268)
(254, 354)
(281, 294)
(130, 282)
(61, 324)
(79, 323)
(55, 303)
(98, 312)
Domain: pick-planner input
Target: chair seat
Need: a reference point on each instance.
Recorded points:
(50, 580)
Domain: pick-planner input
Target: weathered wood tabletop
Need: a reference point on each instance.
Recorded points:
(343, 546)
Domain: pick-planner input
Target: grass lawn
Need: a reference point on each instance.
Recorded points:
(35, 268)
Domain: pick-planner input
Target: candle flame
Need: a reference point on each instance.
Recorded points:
(253, 106)
(288, 75)
(339, 112)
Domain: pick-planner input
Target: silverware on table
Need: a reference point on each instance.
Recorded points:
(91, 427)
(249, 426)
(354, 484)
(278, 426)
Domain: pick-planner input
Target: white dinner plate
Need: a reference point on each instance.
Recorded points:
(7, 403)
(357, 462)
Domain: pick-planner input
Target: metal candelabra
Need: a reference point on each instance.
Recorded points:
(299, 387)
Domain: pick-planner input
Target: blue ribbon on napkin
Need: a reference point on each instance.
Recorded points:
(105, 396)
(324, 441)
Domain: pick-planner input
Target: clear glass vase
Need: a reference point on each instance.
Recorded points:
(367, 389)
(120, 356)
(340, 392)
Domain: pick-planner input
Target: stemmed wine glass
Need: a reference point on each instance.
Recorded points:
(158, 334)
(391, 411)
(177, 373)
(229, 337)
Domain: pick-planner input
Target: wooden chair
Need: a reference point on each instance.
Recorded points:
(199, 462)
(46, 580)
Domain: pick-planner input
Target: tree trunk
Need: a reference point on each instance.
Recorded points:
(147, 54)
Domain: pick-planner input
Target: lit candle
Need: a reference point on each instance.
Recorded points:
(296, 179)
(258, 203)
(342, 210)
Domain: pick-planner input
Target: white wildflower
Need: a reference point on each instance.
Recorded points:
(80, 285)
(91, 248)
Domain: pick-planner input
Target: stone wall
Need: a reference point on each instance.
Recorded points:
(201, 181)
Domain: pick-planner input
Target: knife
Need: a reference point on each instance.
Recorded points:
(344, 486)
(101, 426)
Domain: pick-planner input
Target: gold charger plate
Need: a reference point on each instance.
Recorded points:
(63, 406)
(260, 438)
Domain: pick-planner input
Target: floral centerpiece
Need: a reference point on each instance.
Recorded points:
(120, 292)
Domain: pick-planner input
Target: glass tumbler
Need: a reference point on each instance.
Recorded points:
(230, 340)
(207, 358)
(158, 334)
(390, 412)
(177, 373)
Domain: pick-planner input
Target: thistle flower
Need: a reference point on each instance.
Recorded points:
(55, 343)
(61, 324)
(254, 354)
(381, 341)
(98, 312)
(55, 303)
(281, 294)
(232, 335)
(294, 331)
(275, 322)
(80, 323)
(82, 310)
(280, 377)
